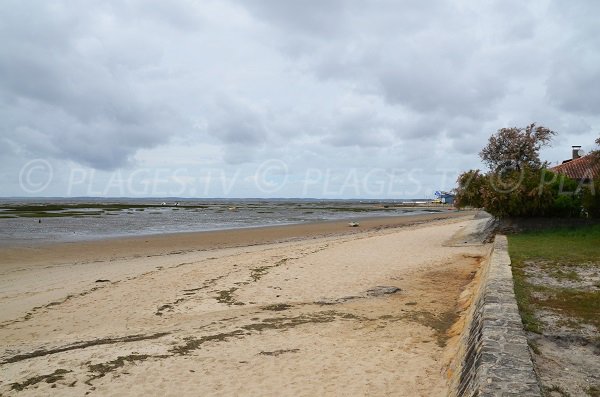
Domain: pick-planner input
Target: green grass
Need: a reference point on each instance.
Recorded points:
(572, 245)
(553, 250)
(523, 294)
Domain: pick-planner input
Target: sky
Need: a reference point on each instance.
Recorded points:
(274, 98)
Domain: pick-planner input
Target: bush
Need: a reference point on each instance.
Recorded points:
(591, 199)
(518, 183)
(567, 195)
(525, 193)
(470, 188)
(566, 206)
(517, 193)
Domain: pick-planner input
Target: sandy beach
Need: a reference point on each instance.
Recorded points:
(320, 309)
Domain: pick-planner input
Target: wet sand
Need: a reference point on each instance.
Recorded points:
(26, 255)
(252, 312)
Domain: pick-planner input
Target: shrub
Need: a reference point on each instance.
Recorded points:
(567, 195)
(517, 193)
(524, 193)
(470, 187)
(566, 206)
(591, 199)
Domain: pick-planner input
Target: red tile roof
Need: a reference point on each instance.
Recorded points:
(586, 167)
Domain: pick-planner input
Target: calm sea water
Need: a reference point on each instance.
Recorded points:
(86, 219)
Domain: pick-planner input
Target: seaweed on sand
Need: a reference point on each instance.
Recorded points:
(48, 378)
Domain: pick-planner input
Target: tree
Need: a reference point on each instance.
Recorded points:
(596, 153)
(471, 185)
(517, 193)
(528, 192)
(516, 148)
(518, 183)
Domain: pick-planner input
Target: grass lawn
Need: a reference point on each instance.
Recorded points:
(557, 285)
(556, 253)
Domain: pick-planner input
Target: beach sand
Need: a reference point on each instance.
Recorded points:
(293, 311)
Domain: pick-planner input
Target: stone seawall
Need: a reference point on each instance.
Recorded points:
(493, 357)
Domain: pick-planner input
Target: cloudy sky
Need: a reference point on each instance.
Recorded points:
(274, 98)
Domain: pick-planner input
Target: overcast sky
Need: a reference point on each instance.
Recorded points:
(274, 98)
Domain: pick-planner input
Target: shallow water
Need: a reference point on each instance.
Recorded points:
(85, 219)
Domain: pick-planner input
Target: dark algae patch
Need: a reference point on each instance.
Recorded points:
(279, 352)
(274, 323)
(102, 369)
(80, 209)
(277, 307)
(291, 322)
(258, 272)
(49, 378)
(192, 343)
(226, 296)
(593, 391)
(82, 345)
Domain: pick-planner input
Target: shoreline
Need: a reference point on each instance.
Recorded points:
(47, 253)
(323, 309)
(79, 221)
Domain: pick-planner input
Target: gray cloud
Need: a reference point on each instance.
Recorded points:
(325, 84)
(237, 122)
(574, 89)
(66, 95)
(311, 17)
(572, 81)
(426, 57)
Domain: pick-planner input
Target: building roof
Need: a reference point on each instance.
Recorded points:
(585, 167)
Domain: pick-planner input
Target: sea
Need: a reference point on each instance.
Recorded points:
(75, 219)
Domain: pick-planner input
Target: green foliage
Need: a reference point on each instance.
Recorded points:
(518, 183)
(470, 187)
(591, 199)
(517, 193)
(566, 206)
(566, 192)
(523, 193)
